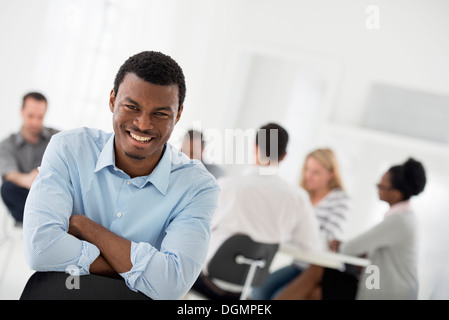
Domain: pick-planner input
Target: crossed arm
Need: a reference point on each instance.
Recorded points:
(115, 251)
(20, 179)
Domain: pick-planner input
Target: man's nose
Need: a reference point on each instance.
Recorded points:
(143, 122)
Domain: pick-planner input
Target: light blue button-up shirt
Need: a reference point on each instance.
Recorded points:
(166, 215)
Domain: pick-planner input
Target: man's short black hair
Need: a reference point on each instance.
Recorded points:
(265, 146)
(34, 95)
(156, 68)
(192, 134)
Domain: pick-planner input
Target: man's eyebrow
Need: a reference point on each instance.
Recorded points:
(167, 108)
(132, 101)
(163, 109)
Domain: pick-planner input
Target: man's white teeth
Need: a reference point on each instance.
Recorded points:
(139, 138)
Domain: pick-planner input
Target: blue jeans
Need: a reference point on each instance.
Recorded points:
(276, 282)
(14, 198)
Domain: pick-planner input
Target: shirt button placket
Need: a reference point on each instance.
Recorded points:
(119, 213)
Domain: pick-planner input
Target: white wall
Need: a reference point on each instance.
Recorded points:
(71, 51)
(20, 36)
(409, 49)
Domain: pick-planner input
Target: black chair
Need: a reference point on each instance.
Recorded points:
(243, 262)
(59, 286)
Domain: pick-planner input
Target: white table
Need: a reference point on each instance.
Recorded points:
(324, 258)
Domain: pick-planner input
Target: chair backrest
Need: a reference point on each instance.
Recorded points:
(59, 286)
(223, 265)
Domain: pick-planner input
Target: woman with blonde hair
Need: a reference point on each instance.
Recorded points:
(321, 178)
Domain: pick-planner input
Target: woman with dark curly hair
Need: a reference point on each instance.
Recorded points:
(390, 245)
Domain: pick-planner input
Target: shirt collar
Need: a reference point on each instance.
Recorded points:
(19, 140)
(161, 174)
(46, 133)
(107, 156)
(399, 208)
(159, 177)
(258, 170)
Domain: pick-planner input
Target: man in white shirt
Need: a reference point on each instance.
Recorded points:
(262, 205)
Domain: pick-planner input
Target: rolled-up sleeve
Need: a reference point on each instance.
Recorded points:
(48, 246)
(170, 272)
(7, 161)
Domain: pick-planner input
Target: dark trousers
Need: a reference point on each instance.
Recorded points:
(14, 198)
(337, 285)
(206, 287)
(61, 286)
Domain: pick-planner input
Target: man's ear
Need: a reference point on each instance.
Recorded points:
(112, 101)
(178, 116)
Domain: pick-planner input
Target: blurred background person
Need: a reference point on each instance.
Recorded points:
(322, 180)
(391, 245)
(263, 206)
(21, 154)
(193, 146)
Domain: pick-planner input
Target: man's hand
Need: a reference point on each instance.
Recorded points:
(115, 250)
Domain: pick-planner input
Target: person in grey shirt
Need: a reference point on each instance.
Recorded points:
(193, 146)
(391, 245)
(21, 154)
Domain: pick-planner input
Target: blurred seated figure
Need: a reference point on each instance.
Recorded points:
(331, 204)
(21, 154)
(193, 146)
(261, 205)
(390, 245)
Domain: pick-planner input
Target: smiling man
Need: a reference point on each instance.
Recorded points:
(125, 204)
